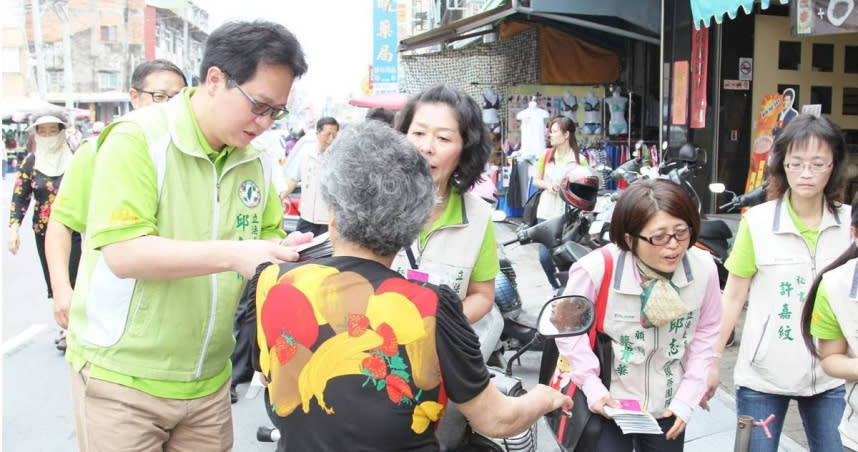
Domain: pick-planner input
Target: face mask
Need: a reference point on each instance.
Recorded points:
(50, 144)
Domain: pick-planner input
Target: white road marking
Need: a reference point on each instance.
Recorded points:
(23, 337)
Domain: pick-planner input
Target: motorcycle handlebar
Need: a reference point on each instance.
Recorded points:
(749, 199)
(628, 170)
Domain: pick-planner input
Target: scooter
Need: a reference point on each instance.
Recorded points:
(561, 316)
(553, 234)
(515, 332)
(558, 234)
(714, 234)
(749, 199)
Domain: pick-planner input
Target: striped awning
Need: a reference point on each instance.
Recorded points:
(703, 10)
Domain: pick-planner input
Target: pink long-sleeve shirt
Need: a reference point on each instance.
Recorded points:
(584, 366)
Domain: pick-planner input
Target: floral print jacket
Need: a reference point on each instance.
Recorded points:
(356, 357)
(30, 183)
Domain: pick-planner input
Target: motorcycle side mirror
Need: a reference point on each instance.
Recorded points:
(498, 216)
(717, 188)
(568, 315)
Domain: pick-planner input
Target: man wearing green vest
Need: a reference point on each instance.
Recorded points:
(152, 82)
(181, 211)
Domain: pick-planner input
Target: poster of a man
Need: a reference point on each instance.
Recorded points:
(787, 111)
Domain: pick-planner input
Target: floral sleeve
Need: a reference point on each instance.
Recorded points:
(23, 191)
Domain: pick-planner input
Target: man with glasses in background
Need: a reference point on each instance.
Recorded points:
(152, 82)
(314, 211)
(182, 210)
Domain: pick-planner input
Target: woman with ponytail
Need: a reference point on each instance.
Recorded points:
(829, 315)
(563, 154)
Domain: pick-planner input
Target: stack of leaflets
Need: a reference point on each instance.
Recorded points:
(632, 419)
(317, 248)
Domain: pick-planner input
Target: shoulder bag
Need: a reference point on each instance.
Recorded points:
(580, 432)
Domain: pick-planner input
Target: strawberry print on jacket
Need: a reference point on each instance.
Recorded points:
(345, 343)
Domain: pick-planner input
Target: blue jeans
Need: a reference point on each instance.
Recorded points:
(820, 415)
(547, 263)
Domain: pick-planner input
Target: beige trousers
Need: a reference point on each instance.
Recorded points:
(112, 417)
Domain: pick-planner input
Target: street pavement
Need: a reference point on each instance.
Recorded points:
(36, 402)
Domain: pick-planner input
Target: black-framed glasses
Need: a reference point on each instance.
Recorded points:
(663, 239)
(157, 97)
(256, 107)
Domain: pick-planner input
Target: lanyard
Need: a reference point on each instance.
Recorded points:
(411, 258)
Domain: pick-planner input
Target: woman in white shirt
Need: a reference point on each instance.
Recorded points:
(563, 153)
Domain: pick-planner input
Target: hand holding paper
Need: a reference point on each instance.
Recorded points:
(634, 420)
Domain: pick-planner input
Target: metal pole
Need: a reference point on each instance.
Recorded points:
(718, 31)
(187, 58)
(63, 12)
(41, 77)
(661, 80)
(744, 428)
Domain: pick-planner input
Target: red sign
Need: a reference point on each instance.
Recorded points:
(699, 69)
(737, 84)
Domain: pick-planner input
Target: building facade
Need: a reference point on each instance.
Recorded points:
(109, 38)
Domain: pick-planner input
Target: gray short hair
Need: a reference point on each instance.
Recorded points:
(378, 186)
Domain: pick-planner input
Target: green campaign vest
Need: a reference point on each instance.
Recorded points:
(176, 330)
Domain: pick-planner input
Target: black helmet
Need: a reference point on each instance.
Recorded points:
(579, 188)
(687, 153)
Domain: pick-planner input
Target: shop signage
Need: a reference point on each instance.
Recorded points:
(741, 85)
(746, 68)
(822, 17)
(770, 109)
(812, 109)
(699, 71)
(385, 41)
(680, 93)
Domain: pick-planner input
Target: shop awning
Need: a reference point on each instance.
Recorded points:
(390, 101)
(594, 15)
(704, 10)
(16, 108)
(458, 30)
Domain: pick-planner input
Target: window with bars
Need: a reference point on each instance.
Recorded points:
(108, 33)
(56, 80)
(108, 80)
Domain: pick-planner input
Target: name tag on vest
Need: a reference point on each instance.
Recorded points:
(626, 317)
(417, 275)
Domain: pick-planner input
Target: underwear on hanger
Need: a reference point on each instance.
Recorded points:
(592, 128)
(591, 107)
(566, 107)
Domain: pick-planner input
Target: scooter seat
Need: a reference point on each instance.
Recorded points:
(715, 229)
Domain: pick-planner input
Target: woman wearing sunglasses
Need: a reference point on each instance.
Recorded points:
(780, 247)
(661, 314)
